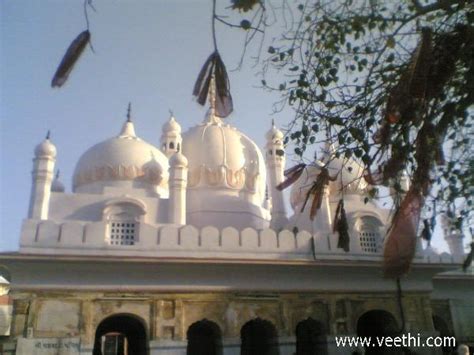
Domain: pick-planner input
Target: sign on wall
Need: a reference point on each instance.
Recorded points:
(48, 346)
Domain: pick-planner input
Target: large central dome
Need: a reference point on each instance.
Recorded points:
(226, 179)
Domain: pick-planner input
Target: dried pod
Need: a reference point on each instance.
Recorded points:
(291, 175)
(214, 67)
(70, 58)
(400, 245)
(341, 227)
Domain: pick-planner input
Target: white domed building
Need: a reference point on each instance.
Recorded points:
(173, 247)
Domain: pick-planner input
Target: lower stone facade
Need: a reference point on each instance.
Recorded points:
(75, 317)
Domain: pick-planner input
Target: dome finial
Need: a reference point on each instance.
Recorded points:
(128, 130)
(212, 95)
(129, 112)
(212, 118)
(48, 134)
(57, 174)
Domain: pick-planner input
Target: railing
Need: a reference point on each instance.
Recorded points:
(48, 237)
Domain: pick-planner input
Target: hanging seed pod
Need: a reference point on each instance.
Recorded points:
(405, 99)
(214, 66)
(291, 175)
(373, 179)
(400, 245)
(341, 227)
(70, 58)
(317, 192)
(426, 232)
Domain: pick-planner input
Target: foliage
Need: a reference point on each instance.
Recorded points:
(390, 83)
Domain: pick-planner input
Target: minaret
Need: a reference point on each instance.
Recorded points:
(275, 159)
(171, 140)
(42, 174)
(178, 182)
(453, 238)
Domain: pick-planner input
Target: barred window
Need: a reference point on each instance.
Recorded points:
(122, 233)
(123, 217)
(369, 234)
(368, 241)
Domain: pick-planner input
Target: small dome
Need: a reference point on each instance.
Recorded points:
(122, 158)
(300, 187)
(57, 185)
(178, 159)
(45, 149)
(171, 126)
(351, 178)
(349, 172)
(274, 133)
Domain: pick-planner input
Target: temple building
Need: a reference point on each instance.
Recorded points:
(188, 247)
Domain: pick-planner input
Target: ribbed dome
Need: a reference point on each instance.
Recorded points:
(45, 149)
(348, 173)
(232, 159)
(274, 133)
(226, 171)
(122, 158)
(171, 126)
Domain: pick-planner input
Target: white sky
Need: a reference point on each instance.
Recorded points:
(147, 52)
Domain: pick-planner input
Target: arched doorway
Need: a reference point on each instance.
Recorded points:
(259, 337)
(442, 327)
(121, 334)
(311, 338)
(378, 323)
(204, 338)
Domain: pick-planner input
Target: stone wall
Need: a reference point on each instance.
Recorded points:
(167, 316)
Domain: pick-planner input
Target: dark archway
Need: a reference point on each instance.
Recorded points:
(378, 323)
(204, 338)
(311, 338)
(259, 337)
(121, 334)
(442, 327)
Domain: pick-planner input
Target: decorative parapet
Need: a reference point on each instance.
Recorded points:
(74, 238)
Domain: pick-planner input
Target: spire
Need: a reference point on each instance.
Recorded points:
(128, 129)
(212, 118)
(129, 111)
(57, 174)
(274, 133)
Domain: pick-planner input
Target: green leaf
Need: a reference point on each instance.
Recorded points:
(390, 42)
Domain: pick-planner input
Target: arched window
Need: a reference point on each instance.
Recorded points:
(123, 217)
(120, 334)
(204, 338)
(378, 323)
(311, 338)
(171, 145)
(369, 234)
(259, 337)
